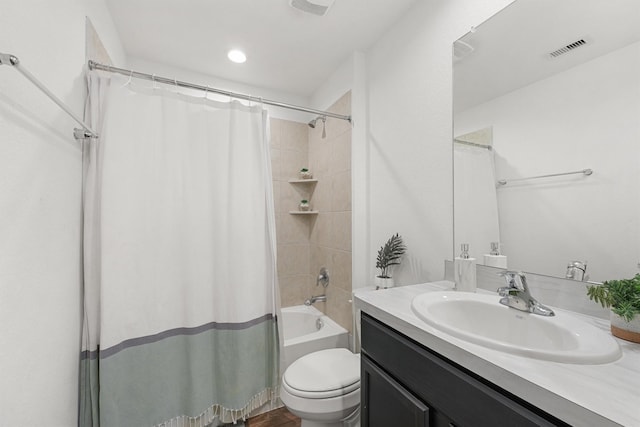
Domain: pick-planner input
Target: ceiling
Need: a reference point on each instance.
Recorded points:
(511, 50)
(287, 50)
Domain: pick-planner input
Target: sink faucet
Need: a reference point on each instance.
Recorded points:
(516, 294)
(316, 298)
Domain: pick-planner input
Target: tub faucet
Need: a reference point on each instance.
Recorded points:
(323, 277)
(516, 294)
(315, 298)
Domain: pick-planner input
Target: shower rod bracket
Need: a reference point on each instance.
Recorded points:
(79, 133)
(8, 59)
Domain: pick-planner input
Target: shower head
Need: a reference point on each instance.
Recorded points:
(312, 124)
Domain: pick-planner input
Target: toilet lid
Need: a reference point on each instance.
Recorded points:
(323, 374)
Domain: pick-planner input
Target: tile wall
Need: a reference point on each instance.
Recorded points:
(308, 242)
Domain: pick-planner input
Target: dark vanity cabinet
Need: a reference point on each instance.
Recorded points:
(404, 384)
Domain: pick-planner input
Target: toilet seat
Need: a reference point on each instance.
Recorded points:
(324, 374)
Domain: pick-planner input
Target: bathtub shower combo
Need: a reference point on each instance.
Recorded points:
(306, 330)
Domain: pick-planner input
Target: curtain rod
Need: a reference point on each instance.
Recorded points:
(97, 66)
(585, 172)
(85, 132)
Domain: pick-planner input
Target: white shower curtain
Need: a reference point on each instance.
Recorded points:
(475, 200)
(179, 254)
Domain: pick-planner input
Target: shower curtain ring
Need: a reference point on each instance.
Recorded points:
(128, 81)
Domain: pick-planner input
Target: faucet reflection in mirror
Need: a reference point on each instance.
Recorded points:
(577, 270)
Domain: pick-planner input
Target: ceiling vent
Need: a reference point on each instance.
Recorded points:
(314, 7)
(568, 48)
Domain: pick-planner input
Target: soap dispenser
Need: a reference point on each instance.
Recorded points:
(465, 271)
(495, 258)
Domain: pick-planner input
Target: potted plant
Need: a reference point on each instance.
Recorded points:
(305, 174)
(389, 255)
(623, 296)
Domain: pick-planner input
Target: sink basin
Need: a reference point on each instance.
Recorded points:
(481, 319)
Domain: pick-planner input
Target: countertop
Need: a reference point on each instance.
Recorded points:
(581, 395)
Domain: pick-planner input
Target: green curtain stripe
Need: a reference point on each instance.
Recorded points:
(183, 375)
(110, 351)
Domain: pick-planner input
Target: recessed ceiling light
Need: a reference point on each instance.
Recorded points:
(237, 56)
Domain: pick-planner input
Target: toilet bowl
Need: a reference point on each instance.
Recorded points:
(323, 388)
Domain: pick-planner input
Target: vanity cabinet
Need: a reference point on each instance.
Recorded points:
(406, 384)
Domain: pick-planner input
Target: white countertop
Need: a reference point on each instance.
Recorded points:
(581, 395)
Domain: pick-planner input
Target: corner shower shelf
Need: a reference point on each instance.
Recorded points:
(309, 191)
(302, 181)
(304, 212)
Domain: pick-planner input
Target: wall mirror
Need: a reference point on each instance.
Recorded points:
(545, 92)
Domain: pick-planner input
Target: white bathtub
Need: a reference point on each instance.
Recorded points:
(302, 335)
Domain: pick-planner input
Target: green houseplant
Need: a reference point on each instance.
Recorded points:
(388, 256)
(623, 296)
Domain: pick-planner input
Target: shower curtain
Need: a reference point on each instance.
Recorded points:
(475, 200)
(180, 290)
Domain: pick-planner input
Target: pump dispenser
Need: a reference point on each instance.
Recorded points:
(465, 271)
(495, 258)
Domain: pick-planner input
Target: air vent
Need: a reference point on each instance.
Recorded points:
(568, 48)
(315, 7)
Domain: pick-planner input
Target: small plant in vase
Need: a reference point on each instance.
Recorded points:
(305, 173)
(304, 205)
(388, 256)
(623, 296)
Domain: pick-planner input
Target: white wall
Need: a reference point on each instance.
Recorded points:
(408, 137)
(586, 117)
(40, 187)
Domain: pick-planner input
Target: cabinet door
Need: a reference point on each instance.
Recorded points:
(386, 403)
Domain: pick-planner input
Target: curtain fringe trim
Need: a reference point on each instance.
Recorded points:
(225, 415)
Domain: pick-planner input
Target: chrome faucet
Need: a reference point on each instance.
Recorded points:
(321, 298)
(577, 270)
(516, 294)
(321, 279)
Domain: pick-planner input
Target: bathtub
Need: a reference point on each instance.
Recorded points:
(306, 329)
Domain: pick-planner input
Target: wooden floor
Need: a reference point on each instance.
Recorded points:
(276, 418)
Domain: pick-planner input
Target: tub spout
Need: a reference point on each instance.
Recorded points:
(321, 298)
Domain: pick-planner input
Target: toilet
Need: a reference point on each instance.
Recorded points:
(323, 388)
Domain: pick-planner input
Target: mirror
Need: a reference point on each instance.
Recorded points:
(546, 92)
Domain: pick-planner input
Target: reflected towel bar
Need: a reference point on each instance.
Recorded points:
(586, 172)
(473, 144)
